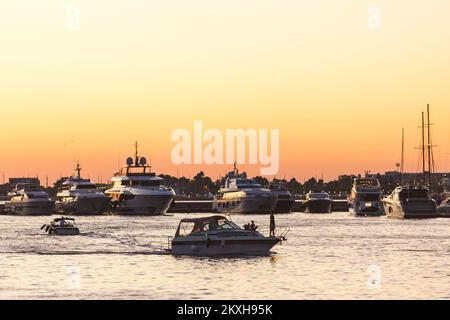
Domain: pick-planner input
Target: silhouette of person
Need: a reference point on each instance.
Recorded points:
(272, 225)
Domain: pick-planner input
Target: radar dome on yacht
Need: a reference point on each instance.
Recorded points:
(142, 161)
(129, 161)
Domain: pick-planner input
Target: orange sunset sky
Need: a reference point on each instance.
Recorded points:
(339, 90)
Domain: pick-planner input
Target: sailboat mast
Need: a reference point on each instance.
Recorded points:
(429, 146)
(402, 163)
(423, 149)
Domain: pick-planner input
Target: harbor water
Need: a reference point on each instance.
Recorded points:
(330, 256)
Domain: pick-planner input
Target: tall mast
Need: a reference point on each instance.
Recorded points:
(402, 163)
(78, 170)
(429, 146)
(136, 157)
(423, 149)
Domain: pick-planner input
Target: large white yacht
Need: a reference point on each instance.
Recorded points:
(410, 202)
(138, 191)
(29, 199)
(317, 202)
(365, 198)
(240, 194)
(80, 197)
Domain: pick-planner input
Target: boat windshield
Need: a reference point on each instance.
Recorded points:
(413, 193)
(320, 195)
(85, 186)
(36, 196)
(247, 183)
(369, 196)
(141, 183)
(191, 227)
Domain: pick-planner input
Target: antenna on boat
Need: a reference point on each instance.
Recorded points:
(136, 157)
(78, 170)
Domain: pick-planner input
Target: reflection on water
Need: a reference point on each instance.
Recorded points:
(326, 257)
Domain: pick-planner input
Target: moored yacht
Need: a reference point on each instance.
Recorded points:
(138, 191)
(80, 197)
(286, 200)
(317, 202)
(410, 202)
(216, 235)
(240, 194)
(444, 208)
(365, 198)
(29, 199)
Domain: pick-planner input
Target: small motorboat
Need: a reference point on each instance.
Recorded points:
(62, 227)
(219, 236)
(443, 209)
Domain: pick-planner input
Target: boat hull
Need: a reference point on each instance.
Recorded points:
(420, 209)
(284, 206)
(443, 211)
(32, 208)
(64, 231)
(360, 209)
(147, 205)
(318, 206)
(84, 206)
(224, 247)
(246, 205)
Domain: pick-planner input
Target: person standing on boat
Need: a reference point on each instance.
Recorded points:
(272, 225)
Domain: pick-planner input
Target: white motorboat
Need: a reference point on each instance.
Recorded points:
(138, 191)
(218, 236)
(61, 227)
(81, 197)
(317, 202)
(410, 202)
(365, 198)
(29, 199)
(240, 194)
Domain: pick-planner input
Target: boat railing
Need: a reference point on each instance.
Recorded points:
(280, 232)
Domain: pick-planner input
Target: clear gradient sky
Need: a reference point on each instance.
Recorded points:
(339, 91)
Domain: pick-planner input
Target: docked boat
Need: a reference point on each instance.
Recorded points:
(365, 198)
(317, 202)
(410, 202)
(218, 236)
(443, 209)
(138, 191)
(240, 194)
(80, 197)
(61, 227)
(29, 199)
(285, 199)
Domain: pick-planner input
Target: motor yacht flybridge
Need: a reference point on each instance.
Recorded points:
(240, 194)
(138, 191)
(80, 197)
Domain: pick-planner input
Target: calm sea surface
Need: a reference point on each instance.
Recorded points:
(326, 257)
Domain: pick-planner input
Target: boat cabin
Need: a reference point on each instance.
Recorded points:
(188, 227)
